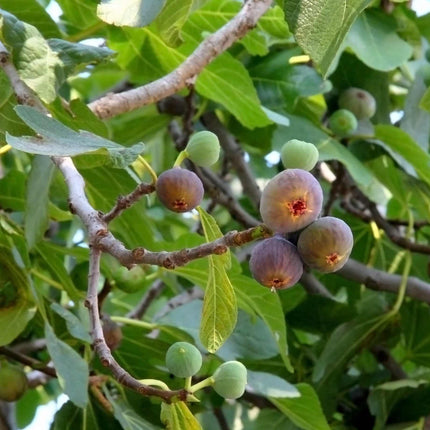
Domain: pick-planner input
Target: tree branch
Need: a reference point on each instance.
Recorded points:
(115, 104)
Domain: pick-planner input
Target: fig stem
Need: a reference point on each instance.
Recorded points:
(149, 168)
(155, 383)
(5, 149)
(181, 157)
(134, 322)
(208, 382)
(46, 279)
(403, 284)
(187, 384)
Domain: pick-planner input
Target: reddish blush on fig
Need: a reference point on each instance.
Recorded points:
(326, 244)
(275, 263)
(180, 190)
(291, 200)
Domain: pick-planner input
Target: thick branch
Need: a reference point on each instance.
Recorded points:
(208, 50)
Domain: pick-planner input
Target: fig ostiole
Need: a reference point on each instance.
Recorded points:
(291, 200)
(180, 190)
(297, 154)
(275, 263)
(326, 244)
(183, 359)
(358, 101)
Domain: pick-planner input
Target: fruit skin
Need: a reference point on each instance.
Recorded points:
(180, 190)
(230, 379)
(13, 383)
(275, 263)
(290, 201)
(326, 244)
(112, 332)
(360, 102)
(343, 122)
(297, 154)
(183, 359)
(203, 148)
(129, 280)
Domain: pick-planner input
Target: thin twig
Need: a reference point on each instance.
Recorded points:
(154, 291)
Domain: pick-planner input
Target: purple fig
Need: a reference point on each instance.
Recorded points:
(326, 244)
(290, 201)
(180, 190)
(275, 263)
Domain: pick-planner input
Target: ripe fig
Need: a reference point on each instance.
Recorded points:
(343, 122)
(112, 332)
(13, 383)
(326, 244)
(183, 359)
(297, 154)
(203, 148)
(290, 201)
(230, 379)
(360, 102)
(180, 190)
(275, 263)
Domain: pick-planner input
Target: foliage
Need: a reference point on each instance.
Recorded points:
(348, 350)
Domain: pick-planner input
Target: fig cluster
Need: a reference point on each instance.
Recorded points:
(291, 202)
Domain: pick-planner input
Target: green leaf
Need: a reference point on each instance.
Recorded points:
(133, 13)
(172, 18)
(425, 101)
(36, 211)
(126, 415)
(38, 66)
(33, 13)
(70, 417)
(269, 385)
(304, 411)
(74, 325)
(177, 416)
(16, 306)
(74, 55)
(320, 26)
(406, 147)
(374, 40)
(72, 369)
(79, 15)
(58, 140)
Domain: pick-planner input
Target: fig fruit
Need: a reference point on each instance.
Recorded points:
(290, 201)
(360, 102)
(129, 280)
(180, 190)
(326, 244)
(297, 154)
(13, 383)
(230, 379)
(203, 148)
(343, 122)
(183, 359)
(275, 263)
(112, 332)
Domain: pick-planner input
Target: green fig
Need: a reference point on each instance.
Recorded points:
(203, 148)
(343, 123)
(297, 154)
(230, 379)
(360, 102)
(183, 359)
(13, 383)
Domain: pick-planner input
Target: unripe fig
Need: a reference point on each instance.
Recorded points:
(180, 190)
(297, 154)
(13, 383)
(343, 122)
(291, 200)
(326, 244)
(360, 102)
(275, 263)
(230, 379)
(129, 280)
(183, 359)
(203, 148)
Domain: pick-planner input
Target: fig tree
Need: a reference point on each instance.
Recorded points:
(297, 154)
(326, 244)
(183, 359)
(275, 263)
(230, 379)
(180, 190)
(358, 101)
(290, 201)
